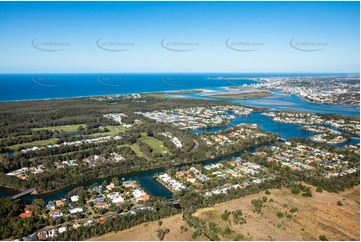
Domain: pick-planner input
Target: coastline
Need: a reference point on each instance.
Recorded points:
(90, 96)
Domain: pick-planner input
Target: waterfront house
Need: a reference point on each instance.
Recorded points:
(74, 198)
(98, 189)
(50, 205)
(110, 186)
(129, 184)
(29, 207)
(59, 203)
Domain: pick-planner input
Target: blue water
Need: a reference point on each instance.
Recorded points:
(43, 86)
(281, 101)
(145, 178)
(286, 131)
(48, 86)
(155, 189)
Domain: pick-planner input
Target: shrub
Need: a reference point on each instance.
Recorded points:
(196, 234)
(280, 215)
(257, 203)
(339, 203)
(238, 237)
(323, 238)
(307, 194)
(295, 190)
(293, 210)
(319, 189)
(267, 192)
(237, 217)
(227, 231)
(225, 215)
(183, 229)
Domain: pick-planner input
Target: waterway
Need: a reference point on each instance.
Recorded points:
(278, 101)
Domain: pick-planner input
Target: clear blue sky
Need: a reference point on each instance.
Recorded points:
(270, 26)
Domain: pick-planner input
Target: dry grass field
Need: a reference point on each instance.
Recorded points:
(316, 216)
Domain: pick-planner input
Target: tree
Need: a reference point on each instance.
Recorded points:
(225, 215)
(39, 202)
(115, 181)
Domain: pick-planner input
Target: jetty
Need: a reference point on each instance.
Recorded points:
(23, 193)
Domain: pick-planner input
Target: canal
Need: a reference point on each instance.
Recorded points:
(278, 101)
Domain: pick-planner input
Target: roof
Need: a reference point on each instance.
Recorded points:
(144, 198)
(55, 211)
(102, 220)
(59, 203)
(29, 207)
(101, 204)
(26, 214)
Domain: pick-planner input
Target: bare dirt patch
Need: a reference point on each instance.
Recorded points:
(315, 216)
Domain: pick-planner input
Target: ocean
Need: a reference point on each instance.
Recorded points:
(16, 87)
(43, 86)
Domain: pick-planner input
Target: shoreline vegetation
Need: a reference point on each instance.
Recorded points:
(155, 94)
(242, 95)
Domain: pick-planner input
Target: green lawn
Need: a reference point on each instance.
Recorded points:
(136, 150)
(20, 136)
(65, 128)
(74, 127)
(35, 143)
(114, 130)
(68, 128)
(156, 145)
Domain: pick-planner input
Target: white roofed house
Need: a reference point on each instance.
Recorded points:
(62, 229)
(76, 209)
(74, 198)
(118, 200)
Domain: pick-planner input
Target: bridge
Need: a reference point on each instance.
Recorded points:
(23, 193)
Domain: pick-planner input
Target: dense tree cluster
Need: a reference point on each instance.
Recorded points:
(11, 225)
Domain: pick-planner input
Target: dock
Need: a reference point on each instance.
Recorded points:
(23, 193)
